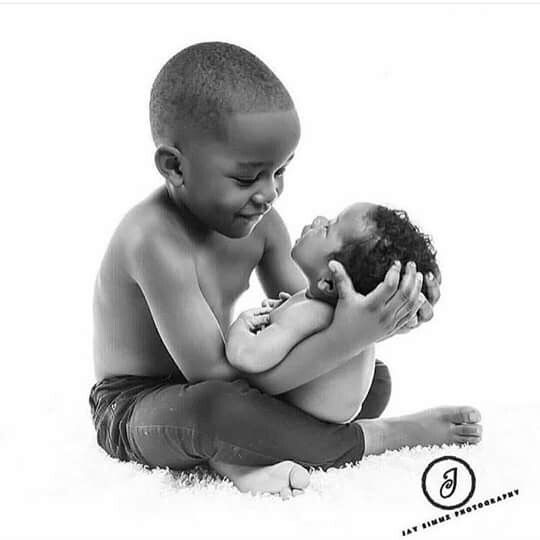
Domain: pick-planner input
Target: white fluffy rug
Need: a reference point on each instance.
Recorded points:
(58, 483)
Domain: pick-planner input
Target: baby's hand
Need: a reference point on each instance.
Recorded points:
(274, 303)
(255, 319)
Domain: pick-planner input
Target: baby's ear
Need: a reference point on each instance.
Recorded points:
(326, 285)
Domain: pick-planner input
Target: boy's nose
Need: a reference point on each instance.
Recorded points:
(268, 193)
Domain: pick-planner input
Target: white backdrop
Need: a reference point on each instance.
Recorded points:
(433, 109)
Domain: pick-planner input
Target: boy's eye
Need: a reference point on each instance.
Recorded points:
(248, 181)
(245, 181)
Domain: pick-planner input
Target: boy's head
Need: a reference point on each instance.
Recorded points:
(225, 127)
(366, 239)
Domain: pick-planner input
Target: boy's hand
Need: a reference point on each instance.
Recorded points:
(274, 303)
(384, 311)
(425, 313)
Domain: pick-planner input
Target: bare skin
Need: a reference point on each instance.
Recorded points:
(432, 427)
(286, 479)
(127, 342)
(167, 285)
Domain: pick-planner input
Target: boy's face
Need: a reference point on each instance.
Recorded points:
(323, 237)
(231, 183)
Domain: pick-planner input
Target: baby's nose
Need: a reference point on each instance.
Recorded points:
(319, 221)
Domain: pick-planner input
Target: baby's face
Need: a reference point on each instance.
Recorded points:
(312, 250)
(231, 183)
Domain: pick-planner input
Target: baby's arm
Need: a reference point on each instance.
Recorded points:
(255, 353)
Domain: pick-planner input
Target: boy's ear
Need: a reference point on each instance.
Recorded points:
(168, 160)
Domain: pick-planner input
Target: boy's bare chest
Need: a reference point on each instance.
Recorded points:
(223, 273)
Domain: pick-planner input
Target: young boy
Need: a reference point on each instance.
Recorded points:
(225, 128)
(367, 239)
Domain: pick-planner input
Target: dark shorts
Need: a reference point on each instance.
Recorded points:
(112, 401)
(168, 422)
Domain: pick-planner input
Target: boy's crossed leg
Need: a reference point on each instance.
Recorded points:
(261, 443)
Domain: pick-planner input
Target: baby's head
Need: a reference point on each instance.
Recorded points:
(366, 239)
(225, 127)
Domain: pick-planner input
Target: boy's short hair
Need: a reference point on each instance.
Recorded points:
(203, 83)
(394, 238)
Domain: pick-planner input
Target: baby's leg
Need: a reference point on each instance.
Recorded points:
(338, 395)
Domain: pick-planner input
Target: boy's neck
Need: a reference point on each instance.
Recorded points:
(196, 227)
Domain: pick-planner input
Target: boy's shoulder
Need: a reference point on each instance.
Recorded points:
(150, 220)
(153, 222)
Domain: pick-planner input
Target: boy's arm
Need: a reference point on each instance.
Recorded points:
(254, 353)
(309, 359)
(166, 275)
(358, 322)
(276, 270)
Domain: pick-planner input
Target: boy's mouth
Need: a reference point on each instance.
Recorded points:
(251, 218)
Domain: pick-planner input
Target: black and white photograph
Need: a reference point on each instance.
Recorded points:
(270, 270)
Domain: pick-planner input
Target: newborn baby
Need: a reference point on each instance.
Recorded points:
(367, 240)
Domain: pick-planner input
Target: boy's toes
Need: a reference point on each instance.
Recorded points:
(298, 477)
(468, 430)
(296, 492)
(285, 493)
(467, 440)
(468, 415)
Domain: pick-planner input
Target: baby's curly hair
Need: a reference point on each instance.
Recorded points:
(394, 238)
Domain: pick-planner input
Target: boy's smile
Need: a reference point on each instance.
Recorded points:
(230, 183)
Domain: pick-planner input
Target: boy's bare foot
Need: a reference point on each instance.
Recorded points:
(287, 478)
(440, 425)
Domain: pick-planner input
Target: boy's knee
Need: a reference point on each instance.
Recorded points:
(379, 393)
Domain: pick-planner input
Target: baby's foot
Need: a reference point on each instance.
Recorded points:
(286, 478)
(440, 425)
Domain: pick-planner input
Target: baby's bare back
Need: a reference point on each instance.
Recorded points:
(126, 338)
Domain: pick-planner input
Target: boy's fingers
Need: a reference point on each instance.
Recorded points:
(387, 288)
(409, 295)
(433, 291)
(410, 320)
(343, 283)
(405, 296)
(438, 274)
(425, 313)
